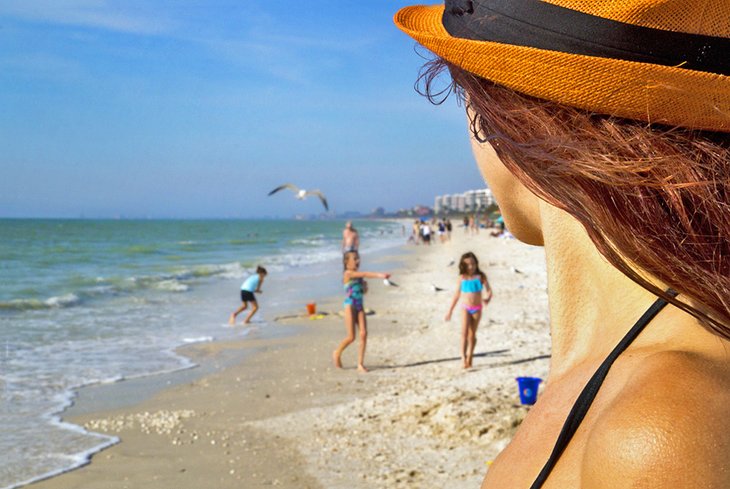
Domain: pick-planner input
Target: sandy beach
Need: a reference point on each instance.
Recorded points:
(283, 416)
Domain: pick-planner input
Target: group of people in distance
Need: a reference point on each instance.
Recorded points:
(423, 231)
(473, 287)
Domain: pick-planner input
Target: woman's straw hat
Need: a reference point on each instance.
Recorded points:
(660, 61)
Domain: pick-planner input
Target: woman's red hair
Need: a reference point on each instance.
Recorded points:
(651, 198)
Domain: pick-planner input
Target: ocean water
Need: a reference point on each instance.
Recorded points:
(86, 302)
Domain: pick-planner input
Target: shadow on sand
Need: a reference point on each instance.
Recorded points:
(442, 360)
(518, 361)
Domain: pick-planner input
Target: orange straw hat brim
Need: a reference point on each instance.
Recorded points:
(643, 91)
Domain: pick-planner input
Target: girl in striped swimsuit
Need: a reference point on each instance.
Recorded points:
(355, 288)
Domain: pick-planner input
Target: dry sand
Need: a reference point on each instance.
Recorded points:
(285, 417)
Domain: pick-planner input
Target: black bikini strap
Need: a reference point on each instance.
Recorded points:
(585, 399)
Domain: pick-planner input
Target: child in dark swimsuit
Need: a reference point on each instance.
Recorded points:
(472, 283)
(355, 288)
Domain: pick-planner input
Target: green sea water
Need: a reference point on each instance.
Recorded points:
(95, 301)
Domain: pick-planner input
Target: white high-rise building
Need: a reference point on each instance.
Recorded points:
(459, 203)
(469, 201)
(438, 205)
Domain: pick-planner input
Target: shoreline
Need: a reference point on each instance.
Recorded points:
(207, 358)
(284, 416)
(151, 430)
(132, 391)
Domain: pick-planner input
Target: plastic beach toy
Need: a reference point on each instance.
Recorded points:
(528, 389)
(311, 308)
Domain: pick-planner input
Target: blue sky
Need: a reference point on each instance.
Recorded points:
(171, 108)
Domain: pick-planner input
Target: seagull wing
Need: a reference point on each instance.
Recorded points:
(282, 187)
(321, 197)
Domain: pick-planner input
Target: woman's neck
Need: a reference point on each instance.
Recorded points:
(592, 304)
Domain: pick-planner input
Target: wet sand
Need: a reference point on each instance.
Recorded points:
(284, 416)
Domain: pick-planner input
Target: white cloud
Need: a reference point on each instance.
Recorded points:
(99, 14)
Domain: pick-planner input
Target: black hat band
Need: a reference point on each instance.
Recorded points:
(537, 24)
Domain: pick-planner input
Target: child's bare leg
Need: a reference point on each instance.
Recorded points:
(254, 308)
(471, 342)
(350, 326)
(232, 319)
(472, 337)
(464, 338)
(363, 341)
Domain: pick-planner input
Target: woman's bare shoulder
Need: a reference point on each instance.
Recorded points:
(669, 426)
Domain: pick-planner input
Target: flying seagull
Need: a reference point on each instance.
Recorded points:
(301, 194)
(389, 283)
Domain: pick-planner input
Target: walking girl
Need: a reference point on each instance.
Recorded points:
(474, 286)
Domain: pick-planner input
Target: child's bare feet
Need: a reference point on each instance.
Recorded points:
(361, 368)
(232, 319)
(336, 359)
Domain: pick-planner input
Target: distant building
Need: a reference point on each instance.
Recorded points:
(446, 201)
(469, 201)
(350, 215)
(459, 203)
(438, 205)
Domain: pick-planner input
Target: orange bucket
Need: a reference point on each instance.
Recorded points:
(311, 308)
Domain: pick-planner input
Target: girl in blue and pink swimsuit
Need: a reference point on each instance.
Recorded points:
(477, 293)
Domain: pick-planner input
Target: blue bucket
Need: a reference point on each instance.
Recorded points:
(528, 389)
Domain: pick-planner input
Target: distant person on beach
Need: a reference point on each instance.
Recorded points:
(441, 231)
(355, 289)
(250, 286)
(499, 227)
(350, 238)
(603, 129)
(426, 232)
(474, 287)
(473, 224)
(449, 227)
(417, 231)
